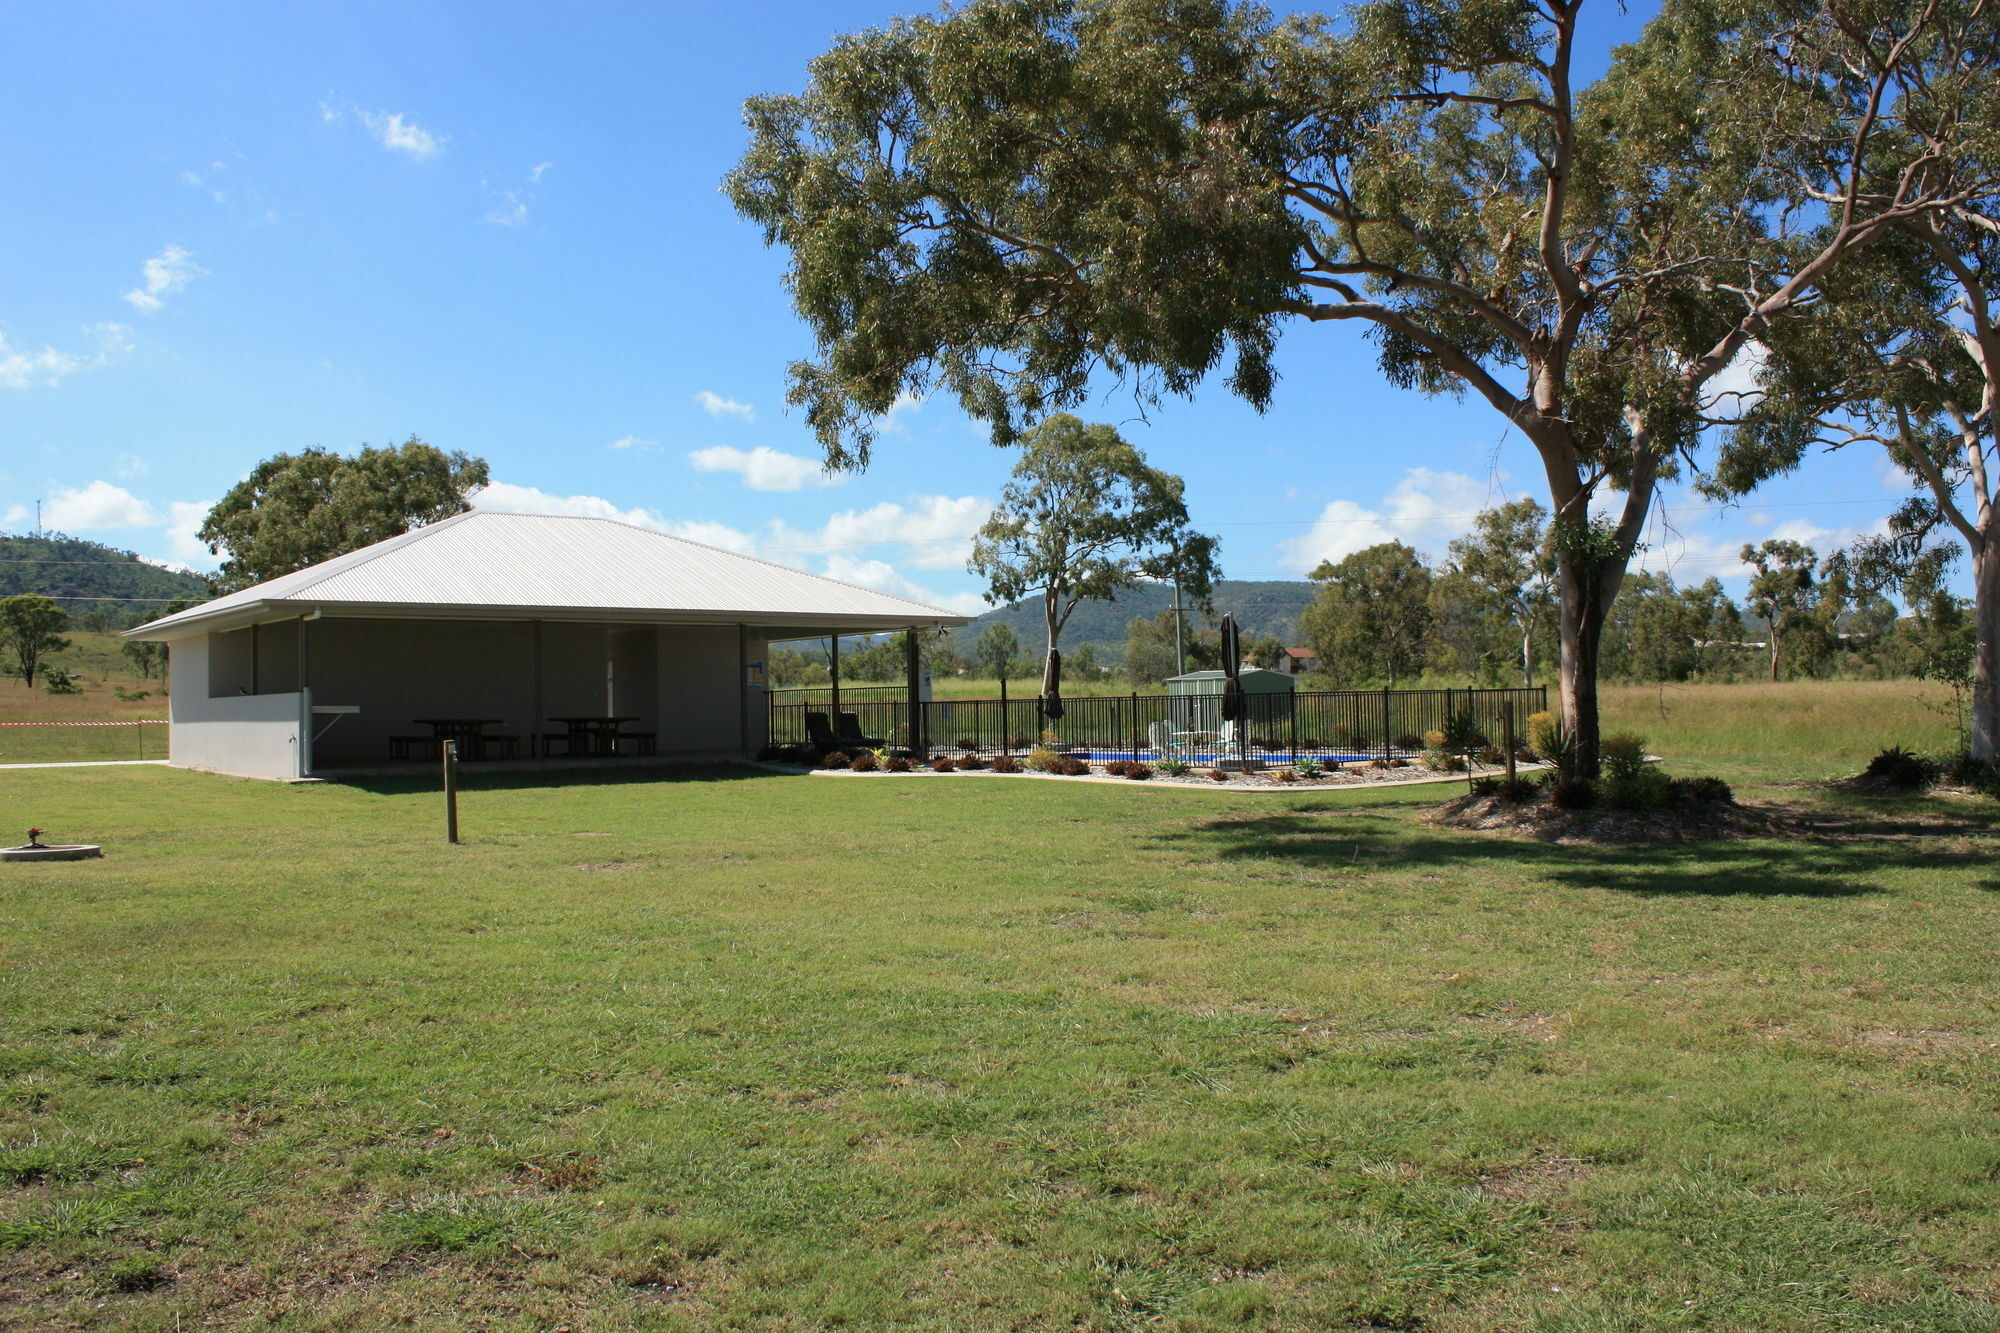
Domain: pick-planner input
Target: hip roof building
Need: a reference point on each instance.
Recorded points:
(499, 623)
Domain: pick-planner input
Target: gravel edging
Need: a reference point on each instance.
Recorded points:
(1235, 784)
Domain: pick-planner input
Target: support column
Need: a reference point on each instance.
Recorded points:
(833, 675)
(913, 668)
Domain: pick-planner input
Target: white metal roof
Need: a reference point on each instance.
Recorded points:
(487, 565)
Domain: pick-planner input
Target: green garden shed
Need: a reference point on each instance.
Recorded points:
(1267, 698)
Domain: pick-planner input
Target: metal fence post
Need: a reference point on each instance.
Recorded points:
(1386, 724)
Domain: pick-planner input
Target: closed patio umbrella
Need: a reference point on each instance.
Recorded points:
(1232, 680)
(1232, 689)
(1052, 704)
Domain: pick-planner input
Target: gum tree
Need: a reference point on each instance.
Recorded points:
(295, 510)
(1086, 518)
(1507, 556)
(31, 627)
(1907, 361)
(1016, 199)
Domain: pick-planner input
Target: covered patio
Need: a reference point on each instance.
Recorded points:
(526, 639)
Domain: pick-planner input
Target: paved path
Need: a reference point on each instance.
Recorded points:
(90, 763)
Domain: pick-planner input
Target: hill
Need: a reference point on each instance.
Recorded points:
(1262, 609)
(90, 576)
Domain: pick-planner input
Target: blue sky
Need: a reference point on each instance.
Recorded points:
(242, 229)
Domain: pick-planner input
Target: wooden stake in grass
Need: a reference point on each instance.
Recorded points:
(451, 791)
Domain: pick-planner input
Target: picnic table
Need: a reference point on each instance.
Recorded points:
(469, 732)
(598, 736)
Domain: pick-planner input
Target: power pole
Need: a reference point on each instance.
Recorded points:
(1180, 637)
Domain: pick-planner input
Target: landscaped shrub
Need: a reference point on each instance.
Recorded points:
(1070, 766)
(1287, 775)
(837, 759)
(1173, 766)
(1981, 775)
(1904, 770)
(1647, 789)
(865, 762)
(1699, 791)
(1623, 756)
(1409, 741)
(898, 764)
(942, 764)
(1218, 775)
(1006, 763)
(1137, 771)
(1116, 768)
(1512, 791)
(1492, 754)
(1545, 737)
(1434, 740)
(1043, 760)
(1357, 741)
(968, 742)
(1307, 767)
(971, 763)
(1572, 792)
(1462, 731)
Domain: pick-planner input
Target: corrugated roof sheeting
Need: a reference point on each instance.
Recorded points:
(519, 561)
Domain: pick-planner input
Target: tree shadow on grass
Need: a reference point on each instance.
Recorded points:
(487, 779)
(1817, 866)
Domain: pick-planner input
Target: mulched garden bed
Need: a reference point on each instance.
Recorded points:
(1541, 819)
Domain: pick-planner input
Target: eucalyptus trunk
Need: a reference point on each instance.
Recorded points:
(1985, 736)
(1585, 606)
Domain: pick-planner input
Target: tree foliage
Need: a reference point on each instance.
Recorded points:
(31, 627)
(995, 651)
(1372, 614)
(1007, 199)
(1085, 518)
(1150, 653)
(1509, 559)
(296, 510)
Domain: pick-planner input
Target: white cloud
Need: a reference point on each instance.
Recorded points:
(882, 577)
(633, 442)
(503, 498)
(1426, 509)
(184, 519)
(400, 135)
(766, 469)
(512, 210)
(131, 465)
(21, 368)
(936, 530)
(718, 407)
(165, 273)
(94, 507)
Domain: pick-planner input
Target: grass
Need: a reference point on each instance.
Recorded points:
(734, 1051)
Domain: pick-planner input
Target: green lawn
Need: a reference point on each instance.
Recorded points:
(754, 1052)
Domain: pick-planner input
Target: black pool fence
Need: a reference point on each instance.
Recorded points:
(1320, 724)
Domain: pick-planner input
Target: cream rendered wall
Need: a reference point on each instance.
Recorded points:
(700, 688)
(249, 735)
(756, 698)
